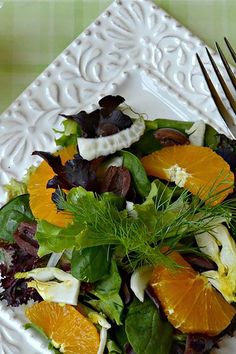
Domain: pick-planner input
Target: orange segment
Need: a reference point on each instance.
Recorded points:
(190, 302)
(68, 329)
(40, 197)
(196, 168)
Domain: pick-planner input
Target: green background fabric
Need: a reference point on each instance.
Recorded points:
(34, 32)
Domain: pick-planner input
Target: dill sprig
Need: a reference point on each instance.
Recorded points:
(162, 224)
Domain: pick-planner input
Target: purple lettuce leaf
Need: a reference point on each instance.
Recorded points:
(15, 291)
(74, 173)
(25, 238)
(227, 150)
(109, 103)
(19, 257)
(198, 344)
(88, 122)
(102, 122)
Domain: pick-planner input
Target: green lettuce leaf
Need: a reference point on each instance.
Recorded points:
(15, 188)
(160, 193)
(52, 238)
(146, 331)
(71, 131)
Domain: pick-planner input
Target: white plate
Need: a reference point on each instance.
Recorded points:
(134, 49)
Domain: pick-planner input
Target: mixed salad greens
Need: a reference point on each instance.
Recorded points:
(108, 225)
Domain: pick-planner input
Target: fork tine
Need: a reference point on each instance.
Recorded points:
(226, 65)
(230, 49)
(229, 120)
(222, 82)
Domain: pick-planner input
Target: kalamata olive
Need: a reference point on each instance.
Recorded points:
(116, 180)
(170, 137)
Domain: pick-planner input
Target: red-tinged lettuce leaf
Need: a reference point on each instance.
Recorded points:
(87, 121)
(53, 161)
(199, 344)
(102, 122)
(229, 156)
(128, 349)
(126, 293)
(15, 291)
(177, 348)
(25, 238)
(109, 103)
(74, 173)
(227, 150)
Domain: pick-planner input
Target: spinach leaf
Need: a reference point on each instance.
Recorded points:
(121, 336)
(91, 264)
(107, 291)
(147, 144)
(212, 137)
(111, 284)
(146, 331)
(12, 214)
(134, 165)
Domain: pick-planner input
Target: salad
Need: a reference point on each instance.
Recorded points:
(125, 237)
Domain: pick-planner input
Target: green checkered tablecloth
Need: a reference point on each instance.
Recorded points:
(34, 32)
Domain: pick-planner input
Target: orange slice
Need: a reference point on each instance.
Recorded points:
(40, 197)
(196, 168)
(68, 329)
(189, 301)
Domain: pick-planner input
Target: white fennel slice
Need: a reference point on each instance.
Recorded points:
(91, 148)
(197, 133)
(139, 281)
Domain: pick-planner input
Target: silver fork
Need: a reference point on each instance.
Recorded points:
(226, 115)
